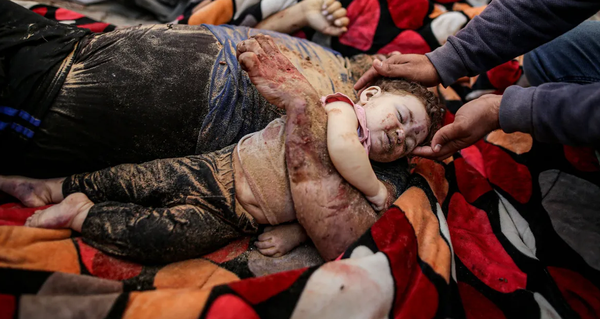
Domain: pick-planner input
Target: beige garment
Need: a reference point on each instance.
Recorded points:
(262, 158)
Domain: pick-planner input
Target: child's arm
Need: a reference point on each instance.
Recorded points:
(348, 154)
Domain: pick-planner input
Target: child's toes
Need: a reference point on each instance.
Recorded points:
(32, 220)
(272, 251)
(263, 244)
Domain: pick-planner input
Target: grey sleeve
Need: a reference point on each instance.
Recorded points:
(554, 112)
(504, 30)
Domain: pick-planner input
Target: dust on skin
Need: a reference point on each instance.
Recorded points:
(322, 76)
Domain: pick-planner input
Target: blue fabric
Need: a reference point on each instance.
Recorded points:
(8, 110)
(11, 112)
(563, 108)
(573, 57)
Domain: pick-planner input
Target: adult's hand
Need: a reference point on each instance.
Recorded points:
(413, 67)
(471, 123)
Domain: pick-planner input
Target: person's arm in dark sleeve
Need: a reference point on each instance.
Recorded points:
(504, 30)
(554, 112)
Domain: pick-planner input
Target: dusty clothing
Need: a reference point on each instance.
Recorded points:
(180, 208)
(131, 96)
(164, 210)
(137, 94)
(262, 157)
(27, 75)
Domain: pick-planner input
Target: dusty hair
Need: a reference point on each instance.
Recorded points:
(433, 106)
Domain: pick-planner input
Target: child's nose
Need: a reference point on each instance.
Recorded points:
(400, 133)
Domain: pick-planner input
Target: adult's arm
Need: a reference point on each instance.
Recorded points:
(554, 112)
(333, 212)
(504, 30)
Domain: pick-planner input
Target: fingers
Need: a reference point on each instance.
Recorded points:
(334, 31)
(447, 151)
(445, 135)
(393, 53)
(342, 22)
(427, 152)
(331, 8)
(424, 151)
(327, 3)
(394, 66)
(366, 78)
(339, 13)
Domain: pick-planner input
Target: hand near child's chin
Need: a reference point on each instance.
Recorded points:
(472, 122)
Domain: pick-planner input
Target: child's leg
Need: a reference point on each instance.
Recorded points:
(156, 235)
(33, 192)
(163, 182)
(137, 232)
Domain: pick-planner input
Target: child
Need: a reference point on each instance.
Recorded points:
(391, 118)
(180, 208)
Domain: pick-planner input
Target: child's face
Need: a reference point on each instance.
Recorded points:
(397, 123)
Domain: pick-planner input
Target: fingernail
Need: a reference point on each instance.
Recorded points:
(330, 17)
(437, 148)
(324, 6)
(324, 12)
(377, 62)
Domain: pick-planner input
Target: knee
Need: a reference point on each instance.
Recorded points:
(568, 58)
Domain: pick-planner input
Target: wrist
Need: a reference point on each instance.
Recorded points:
(305, 8)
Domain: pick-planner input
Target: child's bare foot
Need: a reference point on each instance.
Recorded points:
(32, 192)
(70, 213)
(274, 76)
(278, 240)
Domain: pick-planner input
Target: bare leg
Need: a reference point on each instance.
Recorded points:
(333, 212)
(278, 240)
(33, 192)
(70, 213)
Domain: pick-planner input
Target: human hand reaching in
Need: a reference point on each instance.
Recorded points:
(326, 16)
(472, 122)
(413, 67)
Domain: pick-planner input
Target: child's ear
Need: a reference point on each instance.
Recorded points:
(369, 93)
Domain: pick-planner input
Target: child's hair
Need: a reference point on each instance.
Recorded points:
(432, 103)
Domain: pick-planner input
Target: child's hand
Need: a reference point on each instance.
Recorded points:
(379, 200)
(326, 16)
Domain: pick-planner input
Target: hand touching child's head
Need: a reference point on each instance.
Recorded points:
(401, 115)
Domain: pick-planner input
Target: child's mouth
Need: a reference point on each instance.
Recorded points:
(390, 142)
